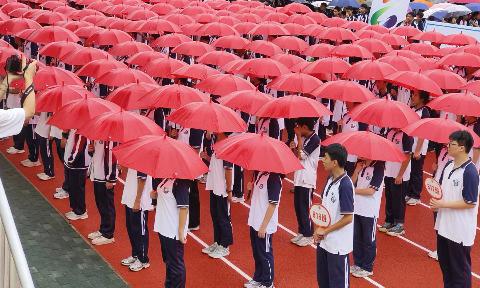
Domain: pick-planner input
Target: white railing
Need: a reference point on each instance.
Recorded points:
(14, 271)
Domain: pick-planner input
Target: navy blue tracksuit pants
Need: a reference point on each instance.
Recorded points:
(416, 178)
(302, 199)
(76, 186)
(106, 208)
(455, 262)
(138, 233)
(364, 242)
(46, 153)
(60, 153)
(172, 255)
(262, 249)
(222, 225)
(395, 201)
(194, 205)
(237, 190)
(31, 142)
(333, 270)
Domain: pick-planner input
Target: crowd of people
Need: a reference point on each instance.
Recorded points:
(352, 193)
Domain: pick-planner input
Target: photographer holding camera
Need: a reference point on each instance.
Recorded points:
(12, 120)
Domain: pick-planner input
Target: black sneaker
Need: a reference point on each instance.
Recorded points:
(384, 228)
(396, 230)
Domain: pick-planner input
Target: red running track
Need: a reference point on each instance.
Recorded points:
(400, 262)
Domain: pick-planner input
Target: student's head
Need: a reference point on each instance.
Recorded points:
(420, 97)
(335, 157)
(460, 143)
(363, 9)
(409, 17)
(306, 125)
(13, 65)
(420, 15)
(337, 11)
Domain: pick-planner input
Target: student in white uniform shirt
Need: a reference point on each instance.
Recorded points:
(32, 145)
(349, 125)
(171, 224)
(45, 145)
(263, 222)
(335, 242)
(305, 180)
(456, 222)
(474, 124)
(368, 179)
(219, 184)
(137, 201)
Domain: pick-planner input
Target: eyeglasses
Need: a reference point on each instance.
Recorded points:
(453, 144)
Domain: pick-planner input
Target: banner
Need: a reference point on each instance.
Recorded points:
(447, 29)
(388, 12)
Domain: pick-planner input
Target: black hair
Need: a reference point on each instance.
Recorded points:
(13, 64)
(307, 121)
(365, 6)
(463, 138)
(337, 152)
(424, 96)
(337, 9)
(410, 13)
(420, 14)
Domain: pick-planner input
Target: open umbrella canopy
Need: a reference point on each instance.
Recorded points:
(262, 68)
(133, 96)
(195, 71)
(122, 76)
(293, 107)
(223, 84)
(369, 70)
(51, 76)
(247, 101)
(465, 103)
(98, 68)
(55, 97)
(414, 80)
(258, 152)
(295, 83)
(160, 157)
(344, 90)
(175, 96)
(445, 79)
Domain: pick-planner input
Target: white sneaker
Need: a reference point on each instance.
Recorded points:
(413, 201)
(354, 268)
(44, 177)
(263, 286)
(194, 228)
(13, 150)
(296, 238)
(137, 266)
(59, 189)
(305, 241)
(219, 252)
(210, 249)
(72, 216)
(128, 261)
(433, 254)
(94, 235)
(252, 284)
(102, 240)
(61, 195)
(28, 163)
(361, 273)
(238, 199)
(203, 179)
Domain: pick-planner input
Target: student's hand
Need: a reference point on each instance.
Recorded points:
(109, 185)
(153, 194)
(297, 132)
(360, 165)
(293, 145)
(229, 193)
(434, 166)
(416, 155)
(262, 232)
(136, 206)
(249, 186)
(182, 237)
(398, 180)
(319, 234)
(63, 142)
(437, 203)
(204, 155)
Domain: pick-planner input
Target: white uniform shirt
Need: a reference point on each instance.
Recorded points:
(404, 143)
(11, 122)
(310, 155)
(442, 160)
(370, 177)
(423, 114)
(43, 129)
(130, 191)
(267, 189)
(216, 181)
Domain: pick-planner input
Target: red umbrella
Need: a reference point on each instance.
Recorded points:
(334, 22)
(143, 58)
(194, 10)
(374, 45)
(160, 157)
(415, 80)
(393, 39)
(247, 18)
(223, 84)
(52, 5)
(295, 29)
(288, 60)
(460, 59)
(119, 127)
(301, 20)
(231, 42)
(465, 103)
(84, 56)
(473, 49)
(246, 101)
(217, 58)
(208, 116)
(338, 34)
(405, 53)
(258, 152)
(162, 8)
(195, 71)
(231, 67)
(459, 39)
(50, 34)
(269, 28)
(159, 26)
(245, 27)
(367, 145)
(407, 31)
(369, 70)
(163, 67)
(179, 19)
(85, 32)
(438, 130)
(423, 49)
(291, 43)
(142, 14)
(129, 48)
(473, 86)
(293, 8)
(229, 20)
(352, 50)
(192, 48)
(217, 29)
(430, 36)
(354, 25)
(122, 76)
(133, 96)
(344, 91)
(369, 34)
(175, 96)
(319, 50)
(191, 29)
(9, 7)
(295, 83)
(313, 30)
(108, 37)
(264, 47)
(377, 28)
(277, 17)
(400, 63)
(262, 68)
(384, 113)
(49, 17)
(205, 18)
(427, 63)
(74, 25)
(98, 68)
(317, 16)
(446, 79)
(15, 25)
(75, 114)
(329, 65)
(55, 97)
(50, 76)
(293, 107)
(59, 49)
